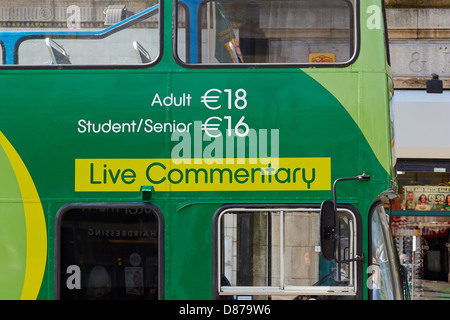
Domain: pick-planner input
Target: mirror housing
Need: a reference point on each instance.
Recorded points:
(328, 230)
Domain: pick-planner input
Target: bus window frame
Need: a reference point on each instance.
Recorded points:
(99, 205)
(386, 34)
(293, 290)
(101, 34)
(355, 36)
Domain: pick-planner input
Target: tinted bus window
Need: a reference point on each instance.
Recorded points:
(109, 253)
(286, 31)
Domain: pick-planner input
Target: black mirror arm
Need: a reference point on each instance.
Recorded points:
(361, 177)
(329, 223)
(357, 258)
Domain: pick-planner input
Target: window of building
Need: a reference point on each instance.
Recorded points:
(275, 253)
(267, 32)
(423, 244)
(420, 222)
(80, 33)
(109, 252)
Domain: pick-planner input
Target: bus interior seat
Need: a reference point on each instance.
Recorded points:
(57, 53)
(142, 55)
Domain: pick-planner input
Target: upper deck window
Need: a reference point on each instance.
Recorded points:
(266, 32)
(93, 33)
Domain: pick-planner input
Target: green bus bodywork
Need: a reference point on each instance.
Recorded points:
(337, 113)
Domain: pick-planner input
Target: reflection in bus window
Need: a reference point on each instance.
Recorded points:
(109, 253)
(384, 279)
(277, 253)
(266, 31)
(90, 33)
(2, 53)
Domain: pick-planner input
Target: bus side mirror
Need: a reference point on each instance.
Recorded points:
(328, 230)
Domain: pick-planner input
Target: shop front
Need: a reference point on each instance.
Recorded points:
(421, 234)
(420, 216)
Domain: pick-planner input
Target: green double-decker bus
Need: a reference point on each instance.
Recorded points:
(187, 149)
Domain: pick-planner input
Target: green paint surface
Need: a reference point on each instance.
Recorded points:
(13, 246)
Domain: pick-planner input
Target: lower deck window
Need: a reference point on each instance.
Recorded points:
(275, 253)
(109, 252)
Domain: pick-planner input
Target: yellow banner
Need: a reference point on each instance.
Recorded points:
(266, 174)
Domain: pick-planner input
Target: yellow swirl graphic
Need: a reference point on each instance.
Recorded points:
(35, 224)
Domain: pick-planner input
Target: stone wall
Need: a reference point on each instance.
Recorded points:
(417, 3)
(419, 34)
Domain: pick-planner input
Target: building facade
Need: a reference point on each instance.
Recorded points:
(419, 34)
